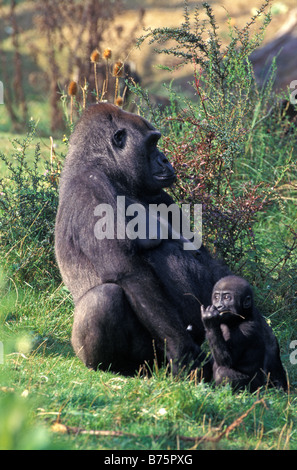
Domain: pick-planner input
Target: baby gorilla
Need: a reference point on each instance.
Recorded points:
(244, 349)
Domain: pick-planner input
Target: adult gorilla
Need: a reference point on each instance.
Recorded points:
(133, 298)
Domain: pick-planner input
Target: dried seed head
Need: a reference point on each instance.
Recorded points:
(107, 54)
(119, 101)
(72, 88)
(118, 69)
(95, 56)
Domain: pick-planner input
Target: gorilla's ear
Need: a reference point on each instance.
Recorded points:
(119, 138)
(247, 302)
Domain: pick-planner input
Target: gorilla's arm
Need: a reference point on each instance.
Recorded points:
(143, 289)
(273, 367)
(238, 351)
(220, 351)
(159, 317)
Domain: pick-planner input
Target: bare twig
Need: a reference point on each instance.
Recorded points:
(64, 429)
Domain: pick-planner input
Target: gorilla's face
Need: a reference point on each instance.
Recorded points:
(159, 173)
(232, 296)
(137, 154)
(124, 147)
(224, 301)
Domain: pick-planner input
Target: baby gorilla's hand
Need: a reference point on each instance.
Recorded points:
(210, 316)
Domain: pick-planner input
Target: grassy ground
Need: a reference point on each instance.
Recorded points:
(54, 394)
(48, 399)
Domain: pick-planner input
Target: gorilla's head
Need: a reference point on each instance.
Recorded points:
(233, 297)
(123, 146)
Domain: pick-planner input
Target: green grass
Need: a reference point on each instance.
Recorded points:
(6, 139)
(44, 383)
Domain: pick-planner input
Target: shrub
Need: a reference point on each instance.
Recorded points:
(28, 204)
(231, 146)
(224, 142)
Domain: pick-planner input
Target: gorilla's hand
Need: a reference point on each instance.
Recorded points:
(210, 316)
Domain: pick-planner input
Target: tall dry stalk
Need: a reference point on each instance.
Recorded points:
(95, 56)
(107, 56)
(118, 71)
(72, 91)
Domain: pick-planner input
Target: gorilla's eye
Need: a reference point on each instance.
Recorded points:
(227, 297)
(152, 140)
(119, 138)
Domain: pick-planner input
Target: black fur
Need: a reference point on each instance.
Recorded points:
(244, 349)
(133, 298)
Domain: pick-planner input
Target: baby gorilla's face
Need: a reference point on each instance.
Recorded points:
(227, 305)
(224, 301)
(232, 296)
